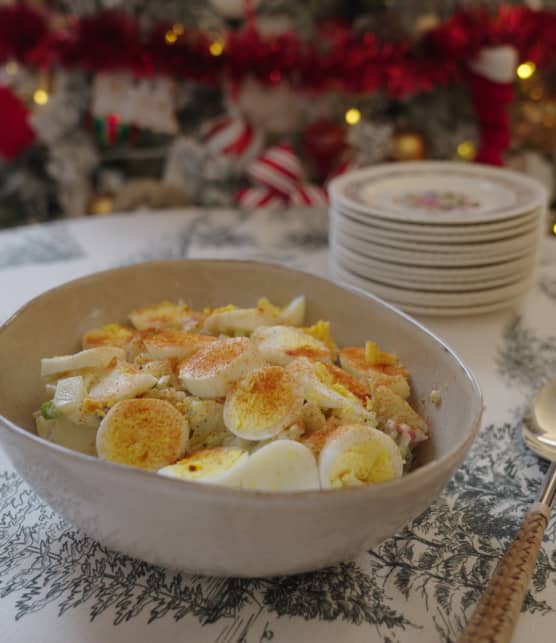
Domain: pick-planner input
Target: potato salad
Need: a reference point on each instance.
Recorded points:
(251, 398)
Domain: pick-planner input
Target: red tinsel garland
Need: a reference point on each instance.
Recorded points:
(16, 133)
(338, 59)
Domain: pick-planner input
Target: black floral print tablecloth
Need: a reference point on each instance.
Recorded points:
(57, 586)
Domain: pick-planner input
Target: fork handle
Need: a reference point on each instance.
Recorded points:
(497, 611)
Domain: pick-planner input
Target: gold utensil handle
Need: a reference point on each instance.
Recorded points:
(497, 611)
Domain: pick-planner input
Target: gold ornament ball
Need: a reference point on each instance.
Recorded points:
(100, 204)
(408, 145)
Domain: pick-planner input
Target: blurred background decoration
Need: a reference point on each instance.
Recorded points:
(116, 105)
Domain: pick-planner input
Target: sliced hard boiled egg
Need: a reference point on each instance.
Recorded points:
(263, 404)
(211, 371)
(343, 381)
(355, 455)
(145, 433)
(321, 331)
(219, 465)
(239, 321)
(361, 361)
(282, 465)
(108, 335)
(165, 316)
(282, 344)
(122, 381)
(174, 344)
(231, 320)
(317, 385)
(98, 357)
(164, 370)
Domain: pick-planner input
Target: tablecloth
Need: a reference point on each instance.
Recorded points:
(58, 586)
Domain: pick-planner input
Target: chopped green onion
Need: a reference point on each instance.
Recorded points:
(49, 410)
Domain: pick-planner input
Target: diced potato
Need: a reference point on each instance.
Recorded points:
(389, 406)
(62, 431)
(396, 383)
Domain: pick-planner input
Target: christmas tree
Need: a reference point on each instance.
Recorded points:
(110, 105)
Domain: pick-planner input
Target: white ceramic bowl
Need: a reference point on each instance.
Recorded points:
(208, 529)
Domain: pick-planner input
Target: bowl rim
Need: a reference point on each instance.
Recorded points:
(276, 497)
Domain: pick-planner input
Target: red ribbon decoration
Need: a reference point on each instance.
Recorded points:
(16, 134)
(491, 102)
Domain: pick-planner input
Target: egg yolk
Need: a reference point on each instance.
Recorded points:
(364, 463)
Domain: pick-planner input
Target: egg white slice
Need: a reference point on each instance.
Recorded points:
(108, 335)
(314, 389)
(239, 321)
(147, 433)
(175, 344)
(294, 313)
(218, 465)
(282, 465)
(122, 381)
(356, 455)
(165, 316)
(282, 344)
(98, 357)
(354, 360)
(212, 370)
(70, 393)
(263, 404)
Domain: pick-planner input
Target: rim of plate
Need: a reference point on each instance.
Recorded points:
(421, 243)
(528, 193)
(445, 259)
(422, 227)
(425, 283)
(396, 266)
(417, 296)
(453, 237)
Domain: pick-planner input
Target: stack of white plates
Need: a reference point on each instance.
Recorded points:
(437, 238)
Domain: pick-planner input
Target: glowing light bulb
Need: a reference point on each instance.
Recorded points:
(170, 37)
(40, 97)
(526, 70)
(352, 116)
(216, 48)
(466, 150)
(554, 228)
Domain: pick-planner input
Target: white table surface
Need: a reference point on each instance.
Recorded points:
(57, 586)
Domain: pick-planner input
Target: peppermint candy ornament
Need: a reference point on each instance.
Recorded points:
(230, 136)
(259, 197)
(309, 195)
(277, 168)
